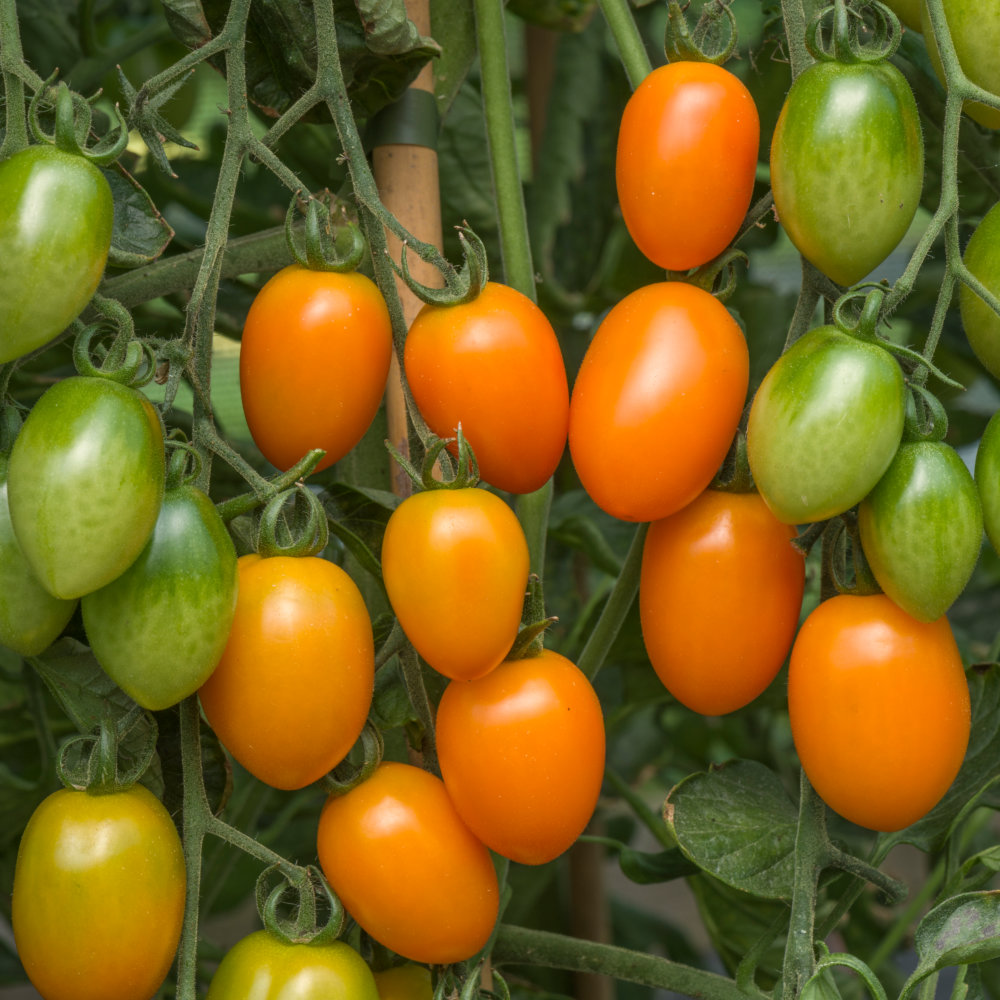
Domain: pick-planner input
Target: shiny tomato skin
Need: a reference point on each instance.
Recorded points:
(908, 12)
(879, 707)
(686, 162)
(495, 366)
(987, 476)
(847, 165)
(300, 660)
(455, 566)
(407, 868)
(98, 876)
(981, 323)
(975, 32)
(720, 593)
(405, 982)
(922, 528)
(85, 483)
(56, 215)
(313, 363)
(159, 629)
(264, 967)
(522, 755)
(30, 617)
(824, 425)
(657, 400)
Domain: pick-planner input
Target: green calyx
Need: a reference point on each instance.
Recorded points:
(316, 245)
(310, 895)
(847, 45)
(73, 119)
(467, 468)
(296, 529)
(127, 360)
(460, 286)
(713, 39)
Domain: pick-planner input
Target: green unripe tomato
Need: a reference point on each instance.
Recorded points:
(987, 476)
(56, 214)
(922, 528)
(824, 425)
(159, 629)
(981, 323)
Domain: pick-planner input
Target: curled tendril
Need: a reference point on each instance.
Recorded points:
(466, 474)
(130, 362)
(98, 761)
(310, 894)
(73, 119)
(718, 276)
(318, 248)
(347, 775)
(846, 44)
(305, 533)
(460, 286)
(926, 418)
(184, 461)
(681, 44)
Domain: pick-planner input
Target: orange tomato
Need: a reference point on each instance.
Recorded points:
(522, 755)
(493, 365)
(407, 868)
(313, 363)
(719, 598)
(879, 707)
(292, 691)
(686, 162)
(455, 566)
(657, 400)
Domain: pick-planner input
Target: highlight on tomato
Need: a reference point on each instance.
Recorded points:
(406, 867)
(98, 876)
(657, 400)
(494, 366)
(720, 593)
(522, 755)
(314, 360)
(455, 567)
(686, 162)
(292, 689)
(879, 708)
(264, 967)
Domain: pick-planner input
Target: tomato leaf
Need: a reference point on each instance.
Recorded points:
(737, 823)
(649, 867)
(960, 931)
(391, 706)
(454, 29)
(976, 782)
(139, 234)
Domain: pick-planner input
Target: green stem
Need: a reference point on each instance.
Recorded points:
(631, 49)
(515, 249)
(11, 69)
(524, 946)
(417, 690)
(615, 610)
(796, 15)
(533, 513)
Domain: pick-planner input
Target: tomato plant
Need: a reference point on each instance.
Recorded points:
(879, 707)
(522, 755)
(846, 202)
(719, 599)
(455, 566)
(922, 528)
(657, 400)
(313, 363)
(30, 617)
(299, 659)
(477, 364)
(981, 324)
(405, 982)
(686, 162)
(264, 967)
(407, 868)
(987, 477)
(825, 424)
(56, 213)
(159, 629)
(85, 483)
(975, 34)
(98, 895)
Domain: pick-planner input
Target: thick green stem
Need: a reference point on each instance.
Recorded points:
(631, 49)
(514, 246)
(796, 15)
(615, 610)
(524, 946)
(11, 67)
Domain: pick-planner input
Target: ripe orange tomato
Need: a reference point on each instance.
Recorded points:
(879, 707)
(657, 400)
(522, 755)
(313, 363)
(719, 598)
(292, 691)
(686, 162)
(407, 868)
(455, 566)
(98, 896)
(493, 365)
